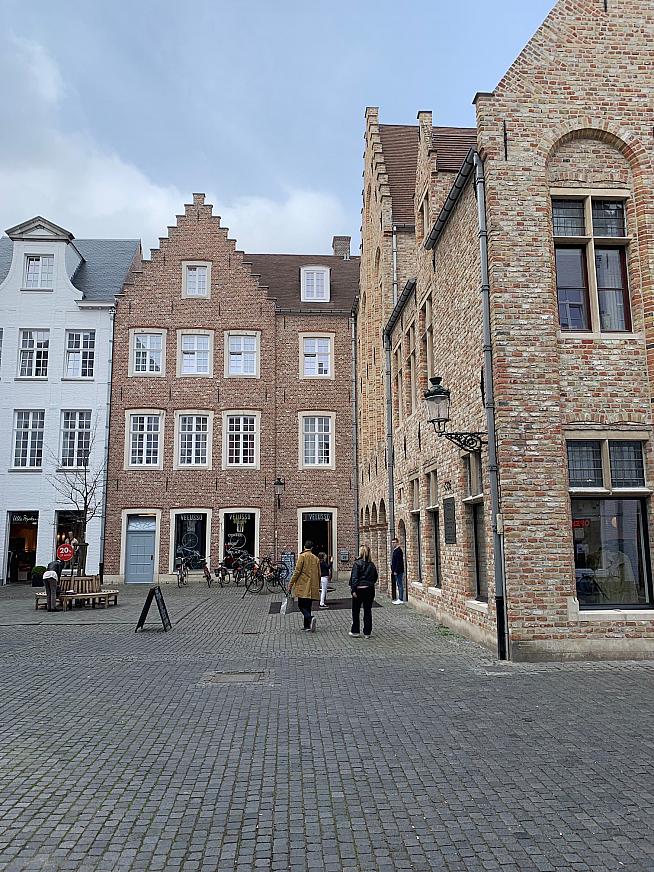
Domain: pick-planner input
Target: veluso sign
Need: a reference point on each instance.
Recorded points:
(317, 516)
(24, 517)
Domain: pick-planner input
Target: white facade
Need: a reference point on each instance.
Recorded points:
(28, 498)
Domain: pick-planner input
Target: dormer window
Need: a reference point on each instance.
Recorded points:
(315, 284)
(39, 271)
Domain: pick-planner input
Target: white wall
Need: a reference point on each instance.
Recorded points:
(56, 310)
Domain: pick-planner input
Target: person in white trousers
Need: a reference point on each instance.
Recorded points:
(325, 572)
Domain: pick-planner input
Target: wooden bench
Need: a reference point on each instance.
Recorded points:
(82, 584)
(105, 598)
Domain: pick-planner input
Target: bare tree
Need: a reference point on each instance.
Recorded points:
(80, 485)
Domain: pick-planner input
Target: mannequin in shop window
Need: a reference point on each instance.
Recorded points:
(614, 574)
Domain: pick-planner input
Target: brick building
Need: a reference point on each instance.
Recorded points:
(231, 372)
(561, 160)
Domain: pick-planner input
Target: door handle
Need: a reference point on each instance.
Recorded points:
(152, 557)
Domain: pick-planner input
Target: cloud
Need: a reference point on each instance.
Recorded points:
(70, 178)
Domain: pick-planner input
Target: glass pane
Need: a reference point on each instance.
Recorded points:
(481, 556)
(627, 464)
(572, 289)
(611, 287)
(608, 218)
(608, 266)
(585, 464)
(610, 565)
(568, 217)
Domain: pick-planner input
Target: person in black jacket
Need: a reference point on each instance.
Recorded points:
(397, 570)
(362, 585)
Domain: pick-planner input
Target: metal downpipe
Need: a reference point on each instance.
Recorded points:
(503, 647)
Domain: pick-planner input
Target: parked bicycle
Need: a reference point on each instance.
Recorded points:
(182, 571)
(267, 573)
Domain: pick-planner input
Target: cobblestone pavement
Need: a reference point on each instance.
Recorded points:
(238, 742)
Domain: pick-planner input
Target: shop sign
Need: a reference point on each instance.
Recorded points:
(24, 517)
(580, 522)
(65, 552)
(191, 517)
(317, 516)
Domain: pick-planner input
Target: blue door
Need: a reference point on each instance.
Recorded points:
(139, 551)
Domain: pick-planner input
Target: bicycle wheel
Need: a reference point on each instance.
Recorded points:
(272, 581)
(207, 575)
(180, 577)
(256, 582)
(223, 575)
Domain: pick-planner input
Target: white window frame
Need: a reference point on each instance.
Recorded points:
(172, 559)
(80, 351)
(231, 413)
(308, 296)
(40, 258)
(77, 431)
(185, 267)
(183, 413)
(317, 335)
(332, 439)
(31, 444)
(146, 331)
(228, 334)
(180, 336)
(33, 351)
(128, 438)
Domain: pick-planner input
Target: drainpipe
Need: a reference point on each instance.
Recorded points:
(355, 419)
(489, 404)
(107, 433)
(394, 264)
(389, 452)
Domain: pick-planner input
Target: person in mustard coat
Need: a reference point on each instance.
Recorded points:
(305, 584)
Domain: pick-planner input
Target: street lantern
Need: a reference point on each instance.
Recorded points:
(438, 405)
(279, 484)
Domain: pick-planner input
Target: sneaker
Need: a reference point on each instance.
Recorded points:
(313, 625)
(323, 606)
(398, 602)
(356, 635)
(366, 637)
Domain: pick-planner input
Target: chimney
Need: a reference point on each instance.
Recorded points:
(341, 246)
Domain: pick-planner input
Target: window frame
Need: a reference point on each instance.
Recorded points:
(241, 413)
(605, 438)
(317, 334)
(589, 242)
(81, 351)
(310, 413)
(318, 268)
(196, 413)
(228, 334)
(146, 331)
(31, 376)
(129, 413)
(40, 257)
(30, 439)
(195, 263)
(77, 430)
(194, 332)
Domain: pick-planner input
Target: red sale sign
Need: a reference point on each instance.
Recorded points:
(65, 552)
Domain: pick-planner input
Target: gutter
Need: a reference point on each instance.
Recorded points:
(107, 438)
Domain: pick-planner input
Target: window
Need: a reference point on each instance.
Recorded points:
(427, 348)
(411, 341)
(147, 354)
(39, 270)
(316, 356)
(28, 439)
(242, 354)
(80, 353)
(195, 354)
(76, 438)
(434, 518)
(591, 272)
(609, 528)
(317, 440)
(197, 278)
(241, 440)
(144, 439)
(315, 284)
(193, 440)
(33, 353)
(1, 336)
(474, 502)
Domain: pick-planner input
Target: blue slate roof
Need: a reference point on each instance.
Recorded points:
(102, 273)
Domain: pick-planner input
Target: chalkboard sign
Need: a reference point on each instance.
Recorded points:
(156, 594)
(288, 559)
(449, 521)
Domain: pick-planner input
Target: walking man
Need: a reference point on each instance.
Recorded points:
(305, 583)
(397, 571)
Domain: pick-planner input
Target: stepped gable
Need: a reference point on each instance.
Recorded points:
(280, 273)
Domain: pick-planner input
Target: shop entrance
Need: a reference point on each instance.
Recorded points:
(317, 527)
(21, 556)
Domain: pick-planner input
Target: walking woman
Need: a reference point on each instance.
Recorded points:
(362, 585)
(325, 574)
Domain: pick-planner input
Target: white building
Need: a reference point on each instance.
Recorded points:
(57, 297)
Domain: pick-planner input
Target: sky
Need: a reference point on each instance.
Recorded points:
(114, 113)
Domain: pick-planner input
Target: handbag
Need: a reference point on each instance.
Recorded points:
(284, 607)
